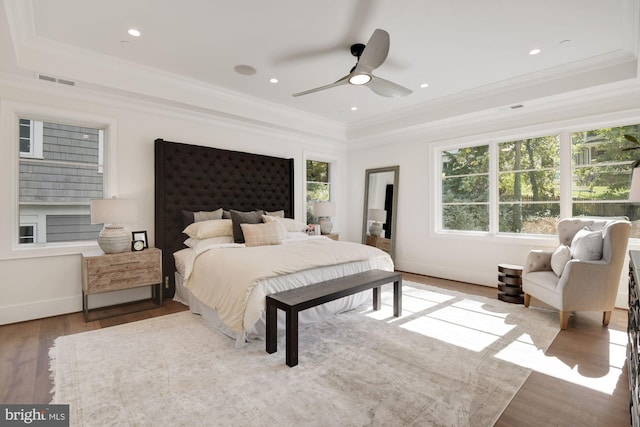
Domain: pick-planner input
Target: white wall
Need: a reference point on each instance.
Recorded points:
(46, 282)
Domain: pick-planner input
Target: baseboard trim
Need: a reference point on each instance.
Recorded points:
(40, 309)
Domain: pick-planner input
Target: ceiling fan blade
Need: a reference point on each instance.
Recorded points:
(375, 52)
(386, 88)
(342, 81)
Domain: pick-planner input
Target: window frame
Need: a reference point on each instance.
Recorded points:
(10, 113)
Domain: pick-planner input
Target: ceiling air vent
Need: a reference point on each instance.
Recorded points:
(47, 78)
(56, 80)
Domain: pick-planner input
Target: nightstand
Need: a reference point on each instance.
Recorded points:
(379, 242)
(333, 236)
(114, 272)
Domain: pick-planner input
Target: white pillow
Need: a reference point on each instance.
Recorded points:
(587, 245)
(211, 228)
(262, 234)
(193, 243)
(289, 224)
(181, 259)
(559, 258)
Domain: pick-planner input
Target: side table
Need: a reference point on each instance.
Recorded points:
(510, 283)
(113, 272)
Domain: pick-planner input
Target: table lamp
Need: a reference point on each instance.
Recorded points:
(377, 218)
(112, 213)
(324, 211)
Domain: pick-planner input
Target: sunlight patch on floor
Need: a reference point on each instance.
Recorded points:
(525, 353)
(464, 324)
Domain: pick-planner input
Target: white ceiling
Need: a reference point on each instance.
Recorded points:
(460, 48)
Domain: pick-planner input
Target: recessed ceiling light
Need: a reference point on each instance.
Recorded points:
(354, 108)
(133, 32)
(423, 85)
(534, 52)
(273, 80)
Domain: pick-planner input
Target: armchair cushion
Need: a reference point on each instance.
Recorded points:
(559, 258)
(587, 245)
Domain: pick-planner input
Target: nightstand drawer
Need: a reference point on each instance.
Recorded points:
(123, 279)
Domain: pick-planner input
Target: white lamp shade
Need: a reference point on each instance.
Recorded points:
(322, 209)
(378, 215)
(634, 191)
(113, 211)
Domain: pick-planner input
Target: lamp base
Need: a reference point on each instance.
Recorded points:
(375, 229)
(113, 239)
(325, 225)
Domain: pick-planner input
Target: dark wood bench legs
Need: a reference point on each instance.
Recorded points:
(271, 336)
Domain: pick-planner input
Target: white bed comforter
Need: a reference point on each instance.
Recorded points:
(224, 276)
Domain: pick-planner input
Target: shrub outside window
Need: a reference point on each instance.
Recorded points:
(318, 186)
(465, 189)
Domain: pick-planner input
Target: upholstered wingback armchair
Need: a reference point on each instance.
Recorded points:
(584, 272)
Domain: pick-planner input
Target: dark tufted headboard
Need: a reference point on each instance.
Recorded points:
(197, 178)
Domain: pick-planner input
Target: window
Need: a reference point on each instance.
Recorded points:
(318, 185)
(30, 138)
(601, 175)
(58, 180)
(515, 186)
(465, 189)
(529, 185)
(27, 233)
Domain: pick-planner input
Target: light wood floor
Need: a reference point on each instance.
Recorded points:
(542, 401)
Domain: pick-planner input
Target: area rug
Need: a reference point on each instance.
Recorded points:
(451, 359)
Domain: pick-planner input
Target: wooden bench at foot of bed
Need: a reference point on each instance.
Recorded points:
(295, 300)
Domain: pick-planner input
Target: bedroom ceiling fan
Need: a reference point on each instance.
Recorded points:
(369, 57)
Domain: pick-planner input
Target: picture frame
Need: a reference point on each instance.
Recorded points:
(140, 235)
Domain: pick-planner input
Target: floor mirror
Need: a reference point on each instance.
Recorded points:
(380, 208)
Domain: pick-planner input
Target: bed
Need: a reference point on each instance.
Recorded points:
(221, 277)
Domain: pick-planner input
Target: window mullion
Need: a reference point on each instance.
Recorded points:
(566, 175)
(494, 209)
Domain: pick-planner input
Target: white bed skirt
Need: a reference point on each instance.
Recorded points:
(256, 300)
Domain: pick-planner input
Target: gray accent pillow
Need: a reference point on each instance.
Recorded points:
(237, 217)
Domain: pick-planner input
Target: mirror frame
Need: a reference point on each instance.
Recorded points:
(394, 204)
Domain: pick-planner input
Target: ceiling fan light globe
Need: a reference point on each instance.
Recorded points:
(360, 79)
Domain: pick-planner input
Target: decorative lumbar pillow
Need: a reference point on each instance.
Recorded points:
(211, 228)
(262, 234)
(587, 245)
(559, 258)
(239, 218)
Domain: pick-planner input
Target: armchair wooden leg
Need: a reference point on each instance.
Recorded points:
(606, 317)
(564, 319)
(527, 300)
